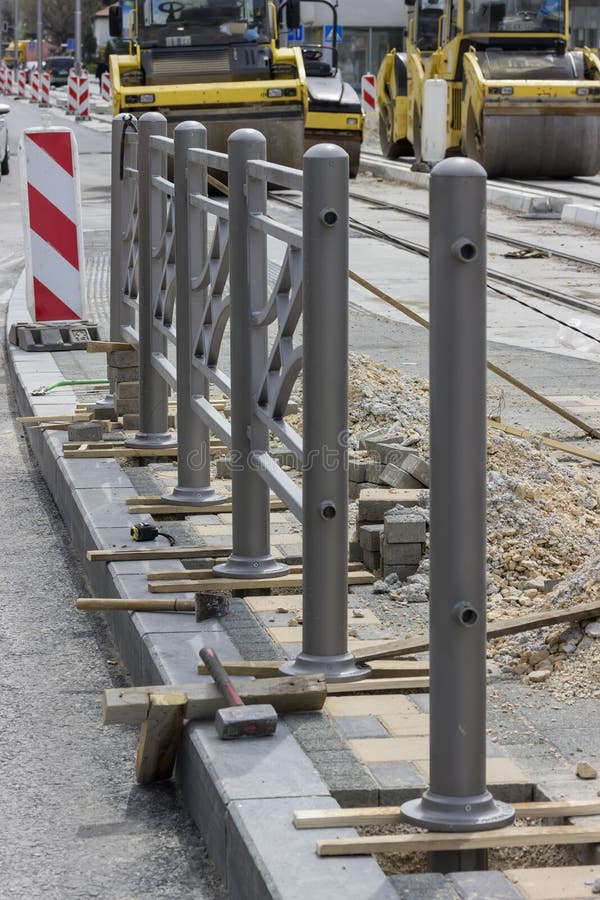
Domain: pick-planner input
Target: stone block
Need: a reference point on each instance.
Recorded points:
(355, 552)
(375, 502)
(372, 560)
(373, 471)
(128, 390)
(131, 422)
(224, 467)
(357, 470)
(403, 572)
(392, 452)
(126, 407)
(370, 536)
(418, 467)
(85, 431)
(404, 528)
(122, 359)
(354, 490)
(397, 477)
(400, 554)
(378, 434)
(116, 375)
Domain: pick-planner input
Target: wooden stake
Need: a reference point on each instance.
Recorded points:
(159, 737)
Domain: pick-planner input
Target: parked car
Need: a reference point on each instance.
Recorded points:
(4, 150)
(59, 68)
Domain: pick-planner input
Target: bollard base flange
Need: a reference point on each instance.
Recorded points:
(335, 668)
(440, 813)
(251, 567)
(153, 440)
(189, 496)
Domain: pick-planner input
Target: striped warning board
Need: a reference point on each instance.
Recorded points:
(368, 92)
(52, 215)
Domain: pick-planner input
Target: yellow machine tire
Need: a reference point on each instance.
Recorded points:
(391, 149)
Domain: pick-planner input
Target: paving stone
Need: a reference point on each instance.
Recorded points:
(122, 359)
(85, 431)
(424, 887)
(370, 536)
(392, 775)
(400, 554)
(369, 705)
(407, 749)
(373, 503)
(397, 477)
(360, 727)
(416, 724)
(357, 469)
(372, 560)
(484, 885)
(499, 770)
(128, 390)
(404, 528)
(565, 883)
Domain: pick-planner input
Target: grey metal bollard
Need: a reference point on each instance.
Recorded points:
(325, 419)
(154, 395)
(120, 209)
(251, 540)
(193, 460)
(457, 798)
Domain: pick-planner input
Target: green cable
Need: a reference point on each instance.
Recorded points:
(78, 381)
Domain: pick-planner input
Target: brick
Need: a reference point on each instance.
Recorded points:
(122, 359)
(373, 503)
(396, 477)
(355, 552)
(418, 467)
(403, 572)
(370, 536)
(372, 560)
(373, 471)
(116, 375)
(85, 431)
(127, 407)
(357, 469)
(128, 390)
(379, 434)
(388, 453)
(354, 490)
(402, 749)
(400, 554)
(402, 528)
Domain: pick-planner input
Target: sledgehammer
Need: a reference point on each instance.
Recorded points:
(237, 720)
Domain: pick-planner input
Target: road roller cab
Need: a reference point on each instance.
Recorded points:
(514, 96)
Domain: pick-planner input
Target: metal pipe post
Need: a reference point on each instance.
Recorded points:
(325, 418)
(154, 394)
(251, 531)
(457, 798)
(39, 35)
(191, 241)
(16, 44)
(78, 37)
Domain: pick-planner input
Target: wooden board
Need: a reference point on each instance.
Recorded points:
(295, 569)
(128, 555)
(169, 509)
(377, 686)
(390, 815)
(121, 706)
(150, 604)
(269, 668)
(159, 738)
(125, 452)
(67, 419)
(573, 449)
(243, 584)
(107, 346)
(533, 836)
(499, 628)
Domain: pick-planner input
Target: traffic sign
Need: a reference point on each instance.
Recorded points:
(296, 34)
(328, 34)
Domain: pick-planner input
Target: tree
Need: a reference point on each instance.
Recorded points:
(58, 18)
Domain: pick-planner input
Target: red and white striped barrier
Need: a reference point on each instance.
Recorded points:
(53, 235)
(3, 78)
(22, 85)
(45, 89)
(368, 92)
(34, 84)
(9, 88)
(78, 90)
(105, 87)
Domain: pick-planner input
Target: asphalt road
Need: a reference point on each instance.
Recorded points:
(74, 824)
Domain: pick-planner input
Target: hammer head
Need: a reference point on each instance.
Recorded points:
(259, 720)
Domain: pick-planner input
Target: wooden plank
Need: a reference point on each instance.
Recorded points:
(233, 584)
(159, 738)
(125, 452)
(532, 836)
(169, 509)
(66, 419)
(107, 346)
(269, 668)
(208, 573)
(377, 686)
(121, 706)
(499, 628)
(128, 555)
(390, 815)
(550, 442)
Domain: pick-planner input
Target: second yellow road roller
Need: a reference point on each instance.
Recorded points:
(513, 94)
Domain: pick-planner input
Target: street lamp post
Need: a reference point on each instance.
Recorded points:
(78, 37)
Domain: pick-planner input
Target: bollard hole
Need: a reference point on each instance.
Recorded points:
(468, 616)
(329, 217)
(464, 249)
(328, 510)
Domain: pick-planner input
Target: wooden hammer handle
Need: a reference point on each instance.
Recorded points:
(220, 676)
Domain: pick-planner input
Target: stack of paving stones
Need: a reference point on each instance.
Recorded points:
(124, 378)
(391, 530)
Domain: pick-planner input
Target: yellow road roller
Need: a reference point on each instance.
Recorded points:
(514, 97)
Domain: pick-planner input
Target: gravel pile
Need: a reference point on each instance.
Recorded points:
(543, 532)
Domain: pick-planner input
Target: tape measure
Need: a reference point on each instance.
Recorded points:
(146, 531)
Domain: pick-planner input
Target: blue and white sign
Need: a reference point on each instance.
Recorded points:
(296, 34)
(328, 34)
